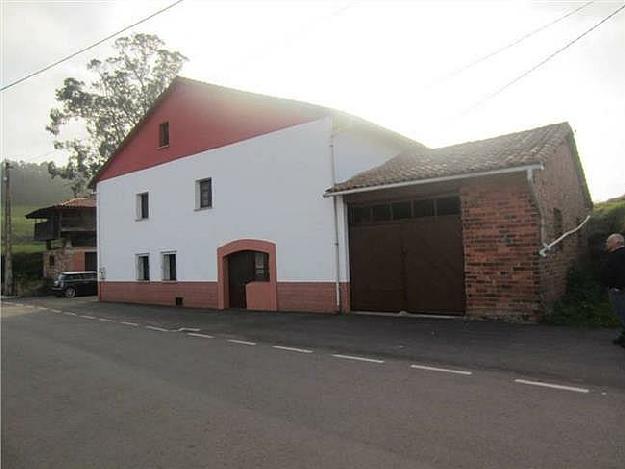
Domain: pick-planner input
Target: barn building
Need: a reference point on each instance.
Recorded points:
(226, 199)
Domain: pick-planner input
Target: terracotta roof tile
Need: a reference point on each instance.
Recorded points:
(76, 202)
(506, 151)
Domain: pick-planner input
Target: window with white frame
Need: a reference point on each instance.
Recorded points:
(143, 206)
(143, 267)
(204, 193)
(169, 266)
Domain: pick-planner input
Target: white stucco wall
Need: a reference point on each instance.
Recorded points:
(358, 149)
(269, 187)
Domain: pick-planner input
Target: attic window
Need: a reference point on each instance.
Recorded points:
(163, 135)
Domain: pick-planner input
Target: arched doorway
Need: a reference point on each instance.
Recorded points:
(247, 275)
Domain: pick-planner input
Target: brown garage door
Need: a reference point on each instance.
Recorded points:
(407, 259)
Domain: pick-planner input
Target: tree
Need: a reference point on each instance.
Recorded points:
(126, 86)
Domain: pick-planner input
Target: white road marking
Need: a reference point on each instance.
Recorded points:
(552, 386)
(154, 328)
(56, 310)
(444, 370)
(189, 329)
(86, 317)
(105, 320)
(203, 336)
(129, 323)
(69, 313)
(292, 349)
(361, 359)
(242, 342)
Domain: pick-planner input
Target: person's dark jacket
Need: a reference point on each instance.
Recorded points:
(613, 271)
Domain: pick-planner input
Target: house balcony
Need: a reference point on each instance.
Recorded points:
(44, 231)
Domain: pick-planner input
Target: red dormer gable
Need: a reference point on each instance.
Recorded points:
(202, 117)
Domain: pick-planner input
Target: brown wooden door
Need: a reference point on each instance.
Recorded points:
(434, 265)
(240, 273)
(414, 265)
(91, 261)
(376, 266)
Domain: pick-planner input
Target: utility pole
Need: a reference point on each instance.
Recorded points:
(8, 258)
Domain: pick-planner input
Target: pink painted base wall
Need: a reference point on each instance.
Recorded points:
(314, 297)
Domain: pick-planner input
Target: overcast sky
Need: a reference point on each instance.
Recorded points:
(388, 62)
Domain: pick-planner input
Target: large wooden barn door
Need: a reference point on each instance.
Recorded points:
(412, 264)
(434, 265)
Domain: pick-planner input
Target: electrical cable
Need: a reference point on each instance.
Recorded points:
(478, 61)
(541, 63)
(74, 54)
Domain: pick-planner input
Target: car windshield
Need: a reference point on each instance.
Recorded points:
(61, 277)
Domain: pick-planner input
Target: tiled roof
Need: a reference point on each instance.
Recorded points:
(506, 151)
(76, 202)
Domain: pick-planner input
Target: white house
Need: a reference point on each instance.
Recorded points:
(225, 199)
(217, 200)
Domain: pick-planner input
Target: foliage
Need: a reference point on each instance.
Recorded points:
(586, 301)
(33, 186)
(126, 86)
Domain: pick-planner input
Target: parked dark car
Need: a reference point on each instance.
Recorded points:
(71, 284)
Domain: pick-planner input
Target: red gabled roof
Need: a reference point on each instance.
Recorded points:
(203, 116)
(75, 203)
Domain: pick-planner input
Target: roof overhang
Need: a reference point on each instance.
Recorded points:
(418, 182)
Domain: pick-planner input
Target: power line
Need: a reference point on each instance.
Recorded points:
(478, 61)
(541, 63)
(74, 54)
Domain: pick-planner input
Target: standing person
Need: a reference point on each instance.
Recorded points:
(613, 277)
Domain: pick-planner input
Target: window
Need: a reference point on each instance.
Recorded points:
(163, 134)
(381, 212)
(51, 260)
(261, 267)
(401, 210)
(423, 208)
(143, 267)
(169, 266)
(204, 193)
(143, 206)
(448, 206)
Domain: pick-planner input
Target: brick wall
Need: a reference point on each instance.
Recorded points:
(559, 187)
(65, 260)
(501, 240)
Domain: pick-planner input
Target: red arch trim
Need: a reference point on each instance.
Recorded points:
(222, 269)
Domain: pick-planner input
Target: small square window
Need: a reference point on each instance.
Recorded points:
(423, 208)
(261, 267)
(204, 193)
(360, 215)
(143, 267)
(381, 212)
(143, 206)
(169, 266)
(401, 210)
(448, 206)
(163, 134)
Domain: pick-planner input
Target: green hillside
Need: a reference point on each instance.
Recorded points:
(23, 230)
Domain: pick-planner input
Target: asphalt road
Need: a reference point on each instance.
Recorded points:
(95, 389)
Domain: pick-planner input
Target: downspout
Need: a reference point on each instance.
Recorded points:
(534, 195)
(337, 264)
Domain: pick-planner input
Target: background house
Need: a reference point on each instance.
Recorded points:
(69, 230)
(221, 198)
